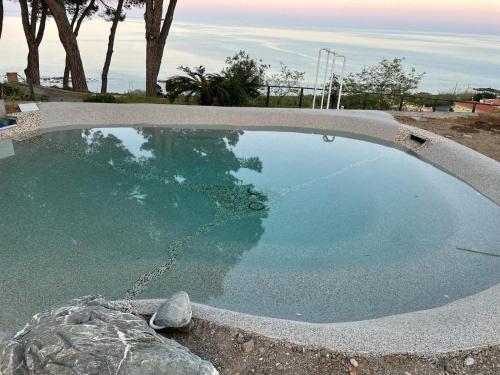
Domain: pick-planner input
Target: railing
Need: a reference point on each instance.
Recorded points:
(328, 77)
(296, 97)
(13, 77)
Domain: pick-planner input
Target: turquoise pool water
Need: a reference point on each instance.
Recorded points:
(287, 225)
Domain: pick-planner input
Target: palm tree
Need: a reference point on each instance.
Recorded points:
(196, 83)
(240, 80)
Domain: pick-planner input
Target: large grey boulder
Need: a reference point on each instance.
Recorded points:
(95, 337)
(176, 312)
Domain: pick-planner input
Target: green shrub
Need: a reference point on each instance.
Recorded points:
(10, 92)
(101, 98)
(237, 84)
(483, 95)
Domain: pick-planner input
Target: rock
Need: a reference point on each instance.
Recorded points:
(240, 339)
(248, 346)
(12, 358)
(353, 362)
(3, 112)
(174, 313)
(469, 361)
(94, 336)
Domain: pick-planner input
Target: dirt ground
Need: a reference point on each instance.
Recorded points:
(481, 132)
(234, 352)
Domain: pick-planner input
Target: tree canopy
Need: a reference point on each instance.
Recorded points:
(387, 77)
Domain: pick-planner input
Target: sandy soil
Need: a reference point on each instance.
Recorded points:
(234, 352)
(480, 132)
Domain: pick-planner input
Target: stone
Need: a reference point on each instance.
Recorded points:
(3, 112)
(176, 312)
(469, 361)
(240, 339)
(353, 362)
(248, 346)
(94, 336)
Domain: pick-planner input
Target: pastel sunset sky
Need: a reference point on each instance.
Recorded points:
(475, 16)
(442, 15)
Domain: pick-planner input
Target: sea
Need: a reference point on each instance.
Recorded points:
(452, 62)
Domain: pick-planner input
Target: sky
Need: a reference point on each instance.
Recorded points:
(464, 16)
(479, 16)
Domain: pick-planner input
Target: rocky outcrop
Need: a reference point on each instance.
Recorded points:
(95, 336)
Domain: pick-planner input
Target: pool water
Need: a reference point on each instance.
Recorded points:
(280, 224)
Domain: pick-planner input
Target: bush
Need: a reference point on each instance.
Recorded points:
(10, 92)
(239, 82)
(483, 95)
(101, 98)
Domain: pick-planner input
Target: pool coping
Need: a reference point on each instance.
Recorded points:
(467, 323)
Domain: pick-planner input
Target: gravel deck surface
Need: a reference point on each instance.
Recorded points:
(28, 123)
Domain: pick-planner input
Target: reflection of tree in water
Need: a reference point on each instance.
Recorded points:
(202, 161)
(190, 174)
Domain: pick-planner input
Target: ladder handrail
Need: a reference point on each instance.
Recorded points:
(335, 55)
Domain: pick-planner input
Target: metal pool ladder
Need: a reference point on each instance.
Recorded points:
(330, 54)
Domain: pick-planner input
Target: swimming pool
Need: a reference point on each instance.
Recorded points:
(281, 224)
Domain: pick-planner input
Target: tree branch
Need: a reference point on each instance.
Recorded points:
(167, 22)
(34, 16)
(41, 27)
(75, 16)
(83, 16)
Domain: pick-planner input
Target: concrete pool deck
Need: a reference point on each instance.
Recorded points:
(463, 324)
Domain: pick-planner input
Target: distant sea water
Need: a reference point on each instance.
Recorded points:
(451, 61)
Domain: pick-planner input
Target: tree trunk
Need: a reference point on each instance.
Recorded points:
(32, 71)
(29, 22)
(111, 43)
(41, 27)
(153, 63)
(1, 18)
(65, 81)
(156, 37)
(68, 40)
